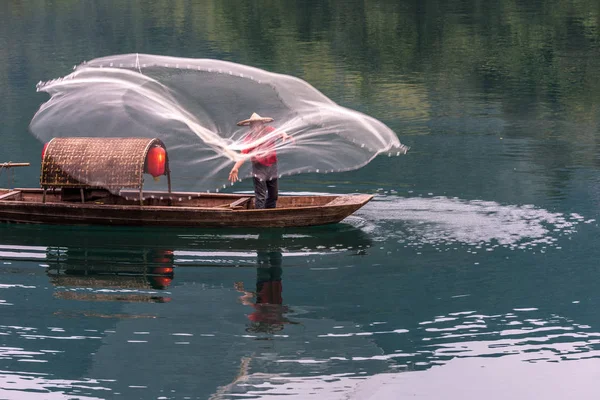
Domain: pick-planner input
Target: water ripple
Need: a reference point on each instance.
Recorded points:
(27, 385)
(443, 222)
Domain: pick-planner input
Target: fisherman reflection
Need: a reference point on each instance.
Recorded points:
(269, 312)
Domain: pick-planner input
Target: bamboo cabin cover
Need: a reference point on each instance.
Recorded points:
(109, 163)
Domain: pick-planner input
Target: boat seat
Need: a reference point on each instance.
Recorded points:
(7, 196)
(239, 203)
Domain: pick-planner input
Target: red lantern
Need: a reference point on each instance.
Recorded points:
(44, 150)
(156, 161)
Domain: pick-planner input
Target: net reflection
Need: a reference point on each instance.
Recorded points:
(98, 275)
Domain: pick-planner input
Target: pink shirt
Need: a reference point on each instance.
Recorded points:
(267, 155)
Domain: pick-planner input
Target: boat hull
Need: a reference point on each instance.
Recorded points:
(25, 207)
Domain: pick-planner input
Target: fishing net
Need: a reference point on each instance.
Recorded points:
(193, 106)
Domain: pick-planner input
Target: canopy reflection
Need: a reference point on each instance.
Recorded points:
(94, 275)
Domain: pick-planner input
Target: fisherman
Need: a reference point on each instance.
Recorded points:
(261, 145)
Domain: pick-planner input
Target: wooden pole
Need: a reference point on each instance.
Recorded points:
(9, 174)
(12, 164)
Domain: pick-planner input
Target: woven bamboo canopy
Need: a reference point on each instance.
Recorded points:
(107, 163)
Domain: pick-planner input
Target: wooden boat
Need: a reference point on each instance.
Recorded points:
(181, 209)
(71, 195)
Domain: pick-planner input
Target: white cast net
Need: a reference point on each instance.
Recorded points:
(193, 106)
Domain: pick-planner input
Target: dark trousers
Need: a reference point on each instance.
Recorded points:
(266, 193)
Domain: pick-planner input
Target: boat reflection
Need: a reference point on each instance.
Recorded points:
(137, 264)
(92, 275)
(190, 247)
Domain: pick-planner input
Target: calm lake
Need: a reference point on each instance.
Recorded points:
(472, 274)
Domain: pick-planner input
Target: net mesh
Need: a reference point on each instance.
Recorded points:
(193, 106)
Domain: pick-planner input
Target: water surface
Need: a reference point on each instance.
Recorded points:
(471, 274)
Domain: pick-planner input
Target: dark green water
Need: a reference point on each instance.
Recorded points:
(473, 274)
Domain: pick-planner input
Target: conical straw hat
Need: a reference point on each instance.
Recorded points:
(254, 118)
